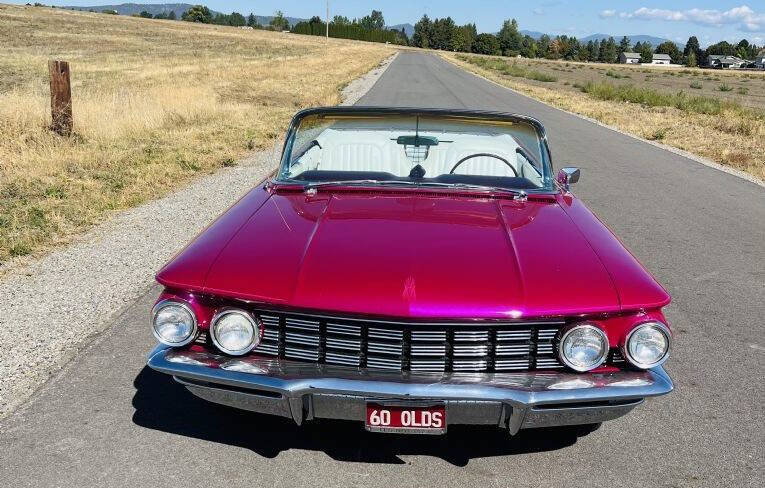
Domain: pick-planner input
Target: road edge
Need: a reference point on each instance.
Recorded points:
(356, 89)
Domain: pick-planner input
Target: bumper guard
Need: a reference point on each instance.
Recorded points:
(304, 391)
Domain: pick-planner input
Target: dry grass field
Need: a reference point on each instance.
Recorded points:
(740, 86)
(155, 103)
(719, 115)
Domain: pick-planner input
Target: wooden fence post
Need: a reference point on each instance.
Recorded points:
(60, 97)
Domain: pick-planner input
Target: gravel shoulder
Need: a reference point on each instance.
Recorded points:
(356, 89)
(54, 307)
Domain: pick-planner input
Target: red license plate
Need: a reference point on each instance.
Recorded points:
(406, 419)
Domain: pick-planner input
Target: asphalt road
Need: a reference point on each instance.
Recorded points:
(109, 421)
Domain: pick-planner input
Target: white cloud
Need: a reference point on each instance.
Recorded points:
(607, 13)
(538, 11)
(743, 17)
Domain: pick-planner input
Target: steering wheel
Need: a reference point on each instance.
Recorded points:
(488, 155)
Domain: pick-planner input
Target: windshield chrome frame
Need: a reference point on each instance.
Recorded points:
(547, 166)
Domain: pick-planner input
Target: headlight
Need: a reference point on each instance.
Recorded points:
(173, 323)
(583, 347)
(235, 332)
(647, 345)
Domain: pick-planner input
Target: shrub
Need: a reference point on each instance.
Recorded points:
(653, 98)
(725, 88)
(743, 91)
(659, 134)
(486, 44)
(696, 85)
(521, 72)
(509, 69)
(536, 75)
(614, 74)
(198, 13)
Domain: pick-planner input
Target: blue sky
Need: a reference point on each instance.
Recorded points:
(709, 20)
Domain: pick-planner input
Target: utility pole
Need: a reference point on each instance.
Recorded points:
(327, 20)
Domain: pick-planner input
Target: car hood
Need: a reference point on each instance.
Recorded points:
(405, 254)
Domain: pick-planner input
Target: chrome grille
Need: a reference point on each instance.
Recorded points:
(415, 347)
(615, 358)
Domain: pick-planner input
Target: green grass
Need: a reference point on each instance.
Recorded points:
(614, 74)
(659, 134)
(509, 69)
(653, 98)
(743, 91)
(725, 87)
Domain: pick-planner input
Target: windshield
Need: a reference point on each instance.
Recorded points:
(421, 148)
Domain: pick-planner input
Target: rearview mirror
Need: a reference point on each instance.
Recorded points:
(417, 140)
(568, 176)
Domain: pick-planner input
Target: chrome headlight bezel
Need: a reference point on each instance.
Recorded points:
(171, 302)
(601, 358)
(257, 331)
(655, 324)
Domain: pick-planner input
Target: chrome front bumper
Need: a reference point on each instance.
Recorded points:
(304, 391)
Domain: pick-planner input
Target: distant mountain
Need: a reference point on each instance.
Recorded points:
(533, 34)
(655, 41)
(137, 8)
(408, 28)
(178, 8)
(266, 19)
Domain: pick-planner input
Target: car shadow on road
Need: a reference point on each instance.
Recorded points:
(162, 404)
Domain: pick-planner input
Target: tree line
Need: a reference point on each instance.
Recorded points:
(445, 35)
(162, 15)
(368, 28)
(202, 14)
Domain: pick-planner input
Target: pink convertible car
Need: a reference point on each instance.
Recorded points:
(414, 269)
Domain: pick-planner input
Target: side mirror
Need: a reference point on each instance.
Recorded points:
(568, 176)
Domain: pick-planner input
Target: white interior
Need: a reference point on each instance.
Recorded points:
(377, 150)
